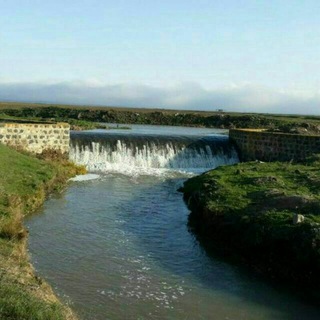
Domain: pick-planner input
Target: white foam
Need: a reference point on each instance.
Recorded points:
(151, 160)
(85, 177)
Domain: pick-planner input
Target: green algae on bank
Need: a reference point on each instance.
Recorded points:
(267, 215)
(25, 182)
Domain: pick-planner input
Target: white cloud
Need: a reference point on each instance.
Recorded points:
(188, 96)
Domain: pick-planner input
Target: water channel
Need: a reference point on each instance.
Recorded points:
(119, 247)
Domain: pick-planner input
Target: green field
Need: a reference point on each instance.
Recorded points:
(88, 116)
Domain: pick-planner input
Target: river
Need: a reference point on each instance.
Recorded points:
(119, 246)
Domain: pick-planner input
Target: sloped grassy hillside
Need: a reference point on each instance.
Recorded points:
(24, 183)
(248, 210)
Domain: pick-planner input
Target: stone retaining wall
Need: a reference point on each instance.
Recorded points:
(270, 146)
(36, 137)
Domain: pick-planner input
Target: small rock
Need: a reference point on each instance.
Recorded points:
(298, 218)
(263, 180)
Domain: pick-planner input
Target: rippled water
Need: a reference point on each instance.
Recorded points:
(119, 248)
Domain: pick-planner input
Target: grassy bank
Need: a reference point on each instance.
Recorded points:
(247, 212)
(86, 117)
(25, 182)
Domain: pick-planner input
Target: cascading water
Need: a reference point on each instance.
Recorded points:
(103, 152)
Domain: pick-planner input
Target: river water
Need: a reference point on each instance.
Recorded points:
(119, 247)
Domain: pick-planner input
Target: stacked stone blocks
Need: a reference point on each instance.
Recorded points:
(270, 146)
(36, 137)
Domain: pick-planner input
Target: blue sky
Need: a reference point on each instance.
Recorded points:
(243, 55)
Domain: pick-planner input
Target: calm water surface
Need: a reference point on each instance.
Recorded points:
(119, 248)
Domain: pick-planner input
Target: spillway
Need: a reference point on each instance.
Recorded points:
(104, 152)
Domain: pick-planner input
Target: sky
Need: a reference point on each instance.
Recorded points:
(236, 55)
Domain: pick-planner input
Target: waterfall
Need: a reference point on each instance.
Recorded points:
(104, 152)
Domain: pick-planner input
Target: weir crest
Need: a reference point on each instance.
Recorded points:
(105, 152)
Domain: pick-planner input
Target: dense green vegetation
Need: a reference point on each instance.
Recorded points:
(83, 116)
(24, 183)
(247, 211)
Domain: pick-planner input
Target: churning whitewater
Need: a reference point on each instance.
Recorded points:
(128, 153)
